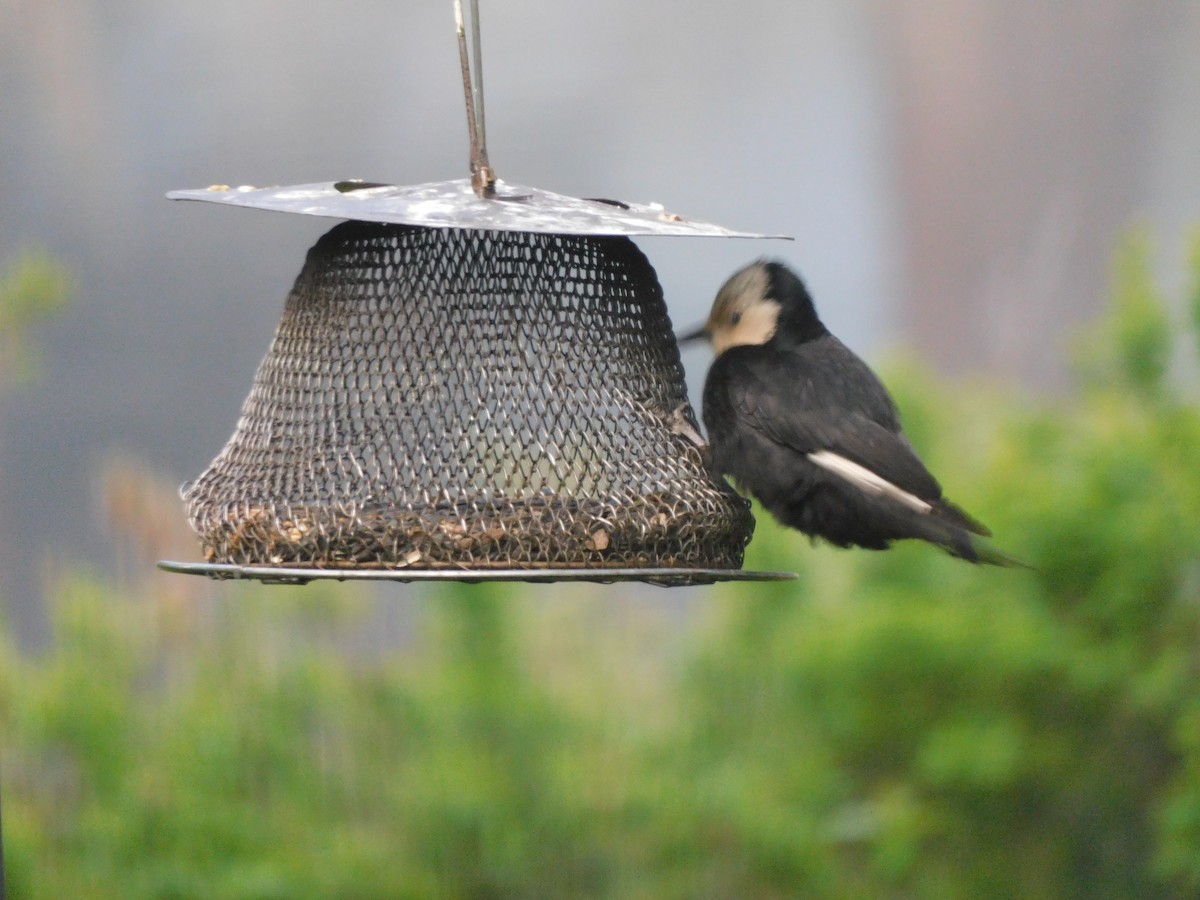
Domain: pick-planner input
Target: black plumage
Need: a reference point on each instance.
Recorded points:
(801, 423)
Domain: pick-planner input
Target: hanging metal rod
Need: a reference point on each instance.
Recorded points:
(483, 179)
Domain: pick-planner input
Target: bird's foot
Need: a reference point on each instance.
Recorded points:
(681, 425)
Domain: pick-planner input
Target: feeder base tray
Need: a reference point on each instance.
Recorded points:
(300, 575)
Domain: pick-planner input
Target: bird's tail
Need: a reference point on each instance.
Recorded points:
(996, 557)
(961, 534)
(958, 517)
(961, 543)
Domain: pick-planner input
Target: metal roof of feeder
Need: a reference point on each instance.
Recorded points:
(456, 204)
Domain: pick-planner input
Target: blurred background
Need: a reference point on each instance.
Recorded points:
(990, 199)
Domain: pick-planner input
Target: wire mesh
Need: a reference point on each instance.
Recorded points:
(446, 398)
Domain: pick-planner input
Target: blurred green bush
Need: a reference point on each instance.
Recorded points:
(891, 725)
(33, 286)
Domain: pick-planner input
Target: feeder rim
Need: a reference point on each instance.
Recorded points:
(662, 577)
(454, 204)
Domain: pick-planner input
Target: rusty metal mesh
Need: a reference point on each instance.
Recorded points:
(447, 398)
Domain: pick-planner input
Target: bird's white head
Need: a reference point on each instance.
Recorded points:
(755, 305)
(743, 312)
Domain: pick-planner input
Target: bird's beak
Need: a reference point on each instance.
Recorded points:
(694, 335)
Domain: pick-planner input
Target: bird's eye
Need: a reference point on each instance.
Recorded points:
(736, 317)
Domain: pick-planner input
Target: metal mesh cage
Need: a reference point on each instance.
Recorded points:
(447, 398)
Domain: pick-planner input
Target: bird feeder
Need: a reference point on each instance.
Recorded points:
(471, 380)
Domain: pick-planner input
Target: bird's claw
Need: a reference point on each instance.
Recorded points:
(681, 425)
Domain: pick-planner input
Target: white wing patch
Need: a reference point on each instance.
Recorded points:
(866, 480)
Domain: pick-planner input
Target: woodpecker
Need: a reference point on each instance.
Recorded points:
(801, 423)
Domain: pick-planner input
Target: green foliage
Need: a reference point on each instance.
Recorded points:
(32, 287)
(246, 756)
(1193, 298)
(890, 725)
(979, 732)
(1132, 345)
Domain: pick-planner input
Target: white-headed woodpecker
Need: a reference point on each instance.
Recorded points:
(801, 423)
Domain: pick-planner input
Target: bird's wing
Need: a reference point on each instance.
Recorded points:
(827, 411)
(853, 437)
